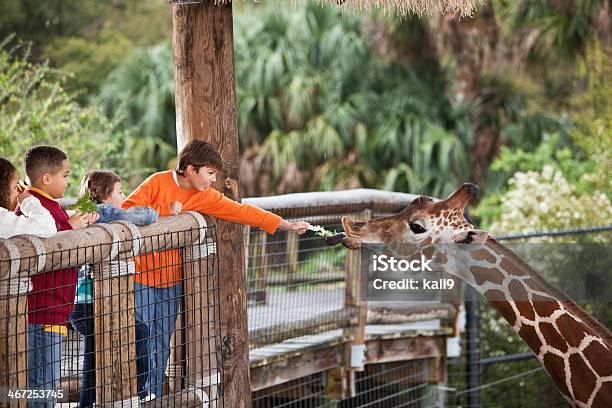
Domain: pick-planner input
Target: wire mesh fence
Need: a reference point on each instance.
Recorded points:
(128, 319)
(122, 317)
(301, 286)
(295, 286)
(506, 372)
(304, 299)
(393, 385)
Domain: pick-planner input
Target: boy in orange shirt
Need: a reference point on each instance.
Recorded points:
(158, 286)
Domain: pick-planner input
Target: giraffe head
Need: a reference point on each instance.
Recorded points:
(424, 221)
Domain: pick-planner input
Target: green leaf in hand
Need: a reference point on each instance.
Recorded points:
(322, 232)
(85, 205)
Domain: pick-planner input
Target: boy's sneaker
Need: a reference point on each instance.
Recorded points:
(148, 398)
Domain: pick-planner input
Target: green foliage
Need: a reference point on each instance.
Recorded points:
(85, 204)
(546, 200)
(558, 29)
(315, 95)
(36, 109)
(87, 38)
(89, 64)
(564, 174)
(140, 93)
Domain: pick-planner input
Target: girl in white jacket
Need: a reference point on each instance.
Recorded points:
(37, 220)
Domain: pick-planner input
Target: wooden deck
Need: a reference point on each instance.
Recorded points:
(289, 314)
(288, 307)
(299, 357)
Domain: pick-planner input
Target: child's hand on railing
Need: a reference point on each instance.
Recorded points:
(80, 220)
(93, 217)
(176, 207)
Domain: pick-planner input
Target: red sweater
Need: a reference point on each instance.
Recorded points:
(52, 297)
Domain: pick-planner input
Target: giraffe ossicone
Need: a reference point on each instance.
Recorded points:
(573, 347)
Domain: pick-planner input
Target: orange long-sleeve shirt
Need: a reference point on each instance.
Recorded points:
(162, 269)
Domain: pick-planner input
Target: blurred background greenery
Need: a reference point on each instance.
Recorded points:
(330, 99)
(516, 98)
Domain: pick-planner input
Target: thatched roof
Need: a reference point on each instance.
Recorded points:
(401, 7)
(419, 7)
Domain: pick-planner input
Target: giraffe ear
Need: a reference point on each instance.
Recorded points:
(473, 236)
(347, 223)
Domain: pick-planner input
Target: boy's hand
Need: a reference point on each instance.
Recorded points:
(299, 226)
(79, 220)
(92, 218)
(23, 195)
(176, 207)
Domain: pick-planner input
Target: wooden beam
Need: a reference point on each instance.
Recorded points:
(203, 50)
(309, 362)
(13, 347)
(389, 350)
(384, 314)
(68, 249)
(334, 203)
(314, 325)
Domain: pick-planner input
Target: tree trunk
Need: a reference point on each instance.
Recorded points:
(474, 43)
(206, 110)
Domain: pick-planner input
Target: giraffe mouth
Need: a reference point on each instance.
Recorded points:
(469, 238)
(336, 239)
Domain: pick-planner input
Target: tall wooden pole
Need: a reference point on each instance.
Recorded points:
(206, 109)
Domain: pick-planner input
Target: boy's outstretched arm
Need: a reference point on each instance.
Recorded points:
(217, 205)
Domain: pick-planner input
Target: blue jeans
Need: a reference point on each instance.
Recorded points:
(82, 319)
(44, 363)
(157, 308)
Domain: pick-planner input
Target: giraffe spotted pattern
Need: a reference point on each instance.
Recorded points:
(576, 355)
(573, 347)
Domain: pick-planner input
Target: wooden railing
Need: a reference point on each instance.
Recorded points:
(273, 266)
(277, 272)
(110, 250)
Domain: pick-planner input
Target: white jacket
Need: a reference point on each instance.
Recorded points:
(37, 221)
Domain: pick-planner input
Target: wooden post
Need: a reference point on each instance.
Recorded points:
(175, 370)
(202, 337)
(115, 338)
(13, 329)
(246, 235)
(354, 301)
(114, 327)
(257, 261)
(203, 49)
(292, 260)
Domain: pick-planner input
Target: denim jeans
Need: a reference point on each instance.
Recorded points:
(82, 319)
(158, 308)
(44, 363)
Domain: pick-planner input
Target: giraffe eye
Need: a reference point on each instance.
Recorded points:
(416, 228)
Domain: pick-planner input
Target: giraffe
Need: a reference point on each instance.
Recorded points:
(573, 347)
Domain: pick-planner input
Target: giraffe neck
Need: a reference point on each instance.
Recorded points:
(573, 347)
